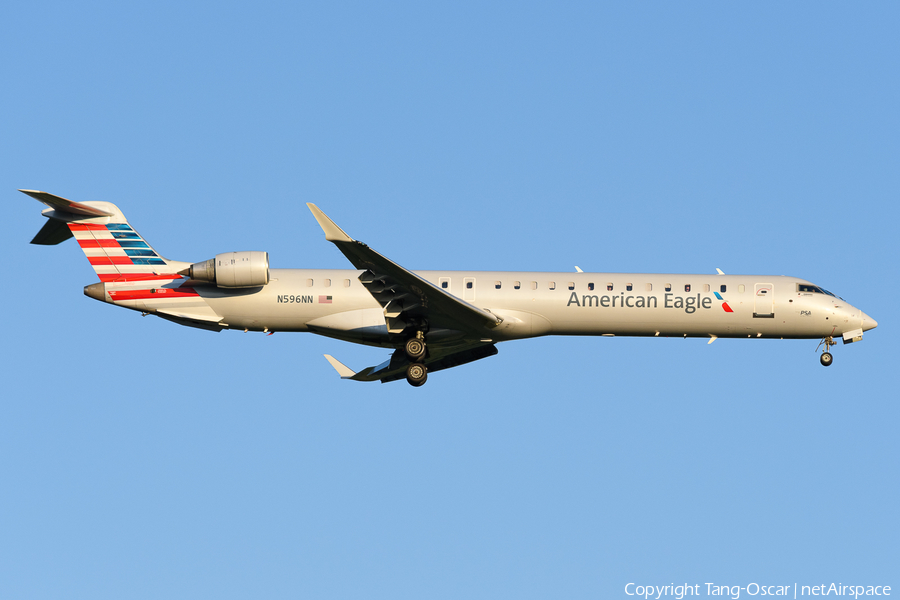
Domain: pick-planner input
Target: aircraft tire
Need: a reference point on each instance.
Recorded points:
(826, 359)
(415, 348)
(416, 374)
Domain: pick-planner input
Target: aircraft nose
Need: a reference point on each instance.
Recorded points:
(868, 322)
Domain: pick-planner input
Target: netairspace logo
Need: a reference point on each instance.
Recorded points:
(678, 592)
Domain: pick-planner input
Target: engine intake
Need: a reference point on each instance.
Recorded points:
(232, 269)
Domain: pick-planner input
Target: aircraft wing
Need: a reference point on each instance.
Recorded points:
(406, 298)
(395, 367)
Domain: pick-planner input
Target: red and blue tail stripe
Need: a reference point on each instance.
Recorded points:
(119, 254)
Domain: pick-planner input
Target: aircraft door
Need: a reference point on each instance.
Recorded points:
(469, 289)
(764, 301)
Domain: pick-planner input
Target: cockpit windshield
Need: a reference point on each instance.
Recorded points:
(814, 289)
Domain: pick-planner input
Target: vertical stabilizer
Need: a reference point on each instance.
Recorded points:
(115, 250)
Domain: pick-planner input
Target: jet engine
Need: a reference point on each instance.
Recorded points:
(232, 270)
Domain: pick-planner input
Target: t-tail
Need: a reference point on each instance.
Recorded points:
(115, 250)
(132, 274)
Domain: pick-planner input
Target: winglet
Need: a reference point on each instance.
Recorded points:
(333, 233)
(343, 370)
(719, 271)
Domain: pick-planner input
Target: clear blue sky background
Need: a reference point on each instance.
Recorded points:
(139, 459)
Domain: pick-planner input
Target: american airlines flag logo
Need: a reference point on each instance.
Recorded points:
(324, 299)
(725, 306)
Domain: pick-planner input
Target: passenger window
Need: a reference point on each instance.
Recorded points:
(552, 285)
(326, 282)
(609, 287)
(741, 289)
(309, 282)
(628, 287)
(517, 284)
(497, 285)
(687, 287)
(346, 283)
(722, 288)
(469, 285)
(591, 287)
(668, 287)
(705, 287)
(649, 287)
(534, 285)
(445, 284)
(571, 285)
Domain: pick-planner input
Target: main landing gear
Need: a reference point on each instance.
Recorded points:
(415, 348)
(416, 372)
(826, 359)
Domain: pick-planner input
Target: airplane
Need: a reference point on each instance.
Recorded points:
(434, 320)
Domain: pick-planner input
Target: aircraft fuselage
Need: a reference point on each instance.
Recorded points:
(433, 320)
(335, 303)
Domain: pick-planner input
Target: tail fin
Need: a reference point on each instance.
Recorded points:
(115, 250)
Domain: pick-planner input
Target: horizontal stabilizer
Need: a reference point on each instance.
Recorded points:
(53, 232)
(61, 204)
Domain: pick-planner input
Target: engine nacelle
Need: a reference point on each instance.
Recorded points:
(232, 269)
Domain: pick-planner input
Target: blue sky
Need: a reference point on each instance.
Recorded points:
(139, 459)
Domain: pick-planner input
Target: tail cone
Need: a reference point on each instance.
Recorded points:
(97, 291)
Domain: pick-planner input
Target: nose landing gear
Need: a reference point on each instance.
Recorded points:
(826, 359)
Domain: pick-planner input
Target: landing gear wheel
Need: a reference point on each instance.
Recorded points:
(416, 374)
(826, 358)
(415, 348)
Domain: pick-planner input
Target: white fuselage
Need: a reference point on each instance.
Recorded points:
(433, 320)
(335, 303)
